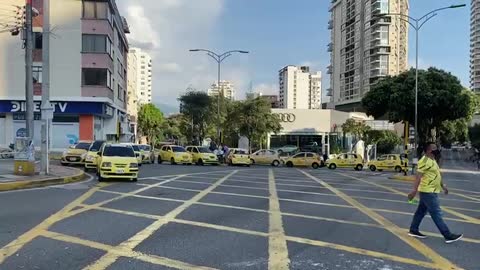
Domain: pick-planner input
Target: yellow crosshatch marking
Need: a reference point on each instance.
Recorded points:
(440, 261)
(277, 237)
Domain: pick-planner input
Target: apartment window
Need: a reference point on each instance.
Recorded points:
(121, 46)
(97, 10)
(37, 74)
(38, 40)
(96, 44)
(120, 93)
(96, 77)
(142, 83)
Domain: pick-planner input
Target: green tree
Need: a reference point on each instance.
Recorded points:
(150, 120)
(452, 131)
(441, 97)
(251, 118)
(357, 128)
(386, 140)
(196, 108)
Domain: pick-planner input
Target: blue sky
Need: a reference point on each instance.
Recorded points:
(276, 32)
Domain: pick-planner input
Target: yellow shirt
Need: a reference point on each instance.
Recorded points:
(431, 181)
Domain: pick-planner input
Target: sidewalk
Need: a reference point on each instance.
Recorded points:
(58, 175)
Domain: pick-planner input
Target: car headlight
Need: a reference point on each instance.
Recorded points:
(89, 158)
(84, 155)
(65, 153)
(106, 164)
(133, 165)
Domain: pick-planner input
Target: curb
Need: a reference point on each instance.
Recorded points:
(409, 178)
(77, 177)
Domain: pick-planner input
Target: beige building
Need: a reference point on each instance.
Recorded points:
(475, 46)
(225, 86)
(364, 48)
(300, 88)
(143, 75)
(132, 93)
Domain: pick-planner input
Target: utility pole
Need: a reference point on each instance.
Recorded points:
(47, 110)
(28, 70)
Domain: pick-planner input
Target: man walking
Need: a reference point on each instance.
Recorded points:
(428, 184)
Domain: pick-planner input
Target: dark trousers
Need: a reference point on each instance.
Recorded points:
(429, 203)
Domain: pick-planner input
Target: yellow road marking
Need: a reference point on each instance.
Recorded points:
(446, 209)
(438, 260)
(109, 258)
(363, 252)
(277, 245)
(467, 197)
(25, 238)
(124, 252)
(78, 211)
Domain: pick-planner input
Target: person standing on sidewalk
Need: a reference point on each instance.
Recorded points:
(428, 184)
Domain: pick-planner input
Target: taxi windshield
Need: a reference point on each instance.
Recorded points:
(96, 146)
(178, 149)
(240, 152)
(118, 151)
(82, 146)
(144, 147)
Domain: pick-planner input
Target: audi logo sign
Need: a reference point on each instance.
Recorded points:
(287, 117)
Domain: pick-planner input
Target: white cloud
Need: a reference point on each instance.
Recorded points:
(266, 89)
(167, 29)
(170, 67)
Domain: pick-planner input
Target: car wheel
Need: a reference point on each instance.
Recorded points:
(289, 164)
(64, 164)
(373, 168)
(172, 161)
(359, 167)
(159, 160)
(276, 163)
(200, 162)
(315, 165)
(332, 166)
(134, 179)
(139, 164)
(398, 169)
(252, 161)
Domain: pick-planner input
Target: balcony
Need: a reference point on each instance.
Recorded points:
(97, 91)
(330, 69)
(330, 24)
(330, 47)
(329, 92)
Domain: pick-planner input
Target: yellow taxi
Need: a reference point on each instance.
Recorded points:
(266, 157)
(305, 159)
(389, 162)
(91, 158)
(346, 160)
(75, 154)
(202, 155)
(174, 154)
(237, 156)
(117, 161)
(148, 154)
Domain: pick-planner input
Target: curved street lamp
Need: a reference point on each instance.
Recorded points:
(219, 58)
(417, 24)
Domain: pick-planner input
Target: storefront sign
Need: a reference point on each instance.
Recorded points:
(62, 107)
(287, 117)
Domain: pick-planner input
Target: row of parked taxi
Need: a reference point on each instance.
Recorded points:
(112, 160)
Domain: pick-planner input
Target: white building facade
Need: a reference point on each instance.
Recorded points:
(364, 48)
(88, 67)
(143, 75)
(300, 88)
(226, 87)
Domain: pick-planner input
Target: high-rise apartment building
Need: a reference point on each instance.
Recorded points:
(143, 75)
(300, 88)
(226, 87)
(475, 46)
(88, 74)
(364, 47)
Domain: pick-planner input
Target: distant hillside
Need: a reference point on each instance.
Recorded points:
(167, 108)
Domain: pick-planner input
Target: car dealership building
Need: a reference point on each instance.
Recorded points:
(303, 127)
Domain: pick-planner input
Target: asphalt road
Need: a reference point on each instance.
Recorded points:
(190, 217)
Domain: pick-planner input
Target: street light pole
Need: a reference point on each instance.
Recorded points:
(417, 24)
(219, 58)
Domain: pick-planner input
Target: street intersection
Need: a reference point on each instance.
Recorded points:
(190, 217)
